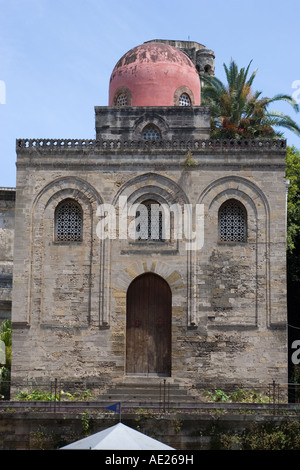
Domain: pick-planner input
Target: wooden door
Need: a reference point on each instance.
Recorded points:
(148, 326)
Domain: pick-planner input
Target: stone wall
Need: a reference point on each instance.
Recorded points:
(182, 431)
(203, 59)
(7, 219)
(127, 123)
(228, 300)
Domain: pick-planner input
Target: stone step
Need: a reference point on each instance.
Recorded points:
(147, 392)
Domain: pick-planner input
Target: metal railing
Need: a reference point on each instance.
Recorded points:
(164, 396)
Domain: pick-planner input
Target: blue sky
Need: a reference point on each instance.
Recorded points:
(56, 56)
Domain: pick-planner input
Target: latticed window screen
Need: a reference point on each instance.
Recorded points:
(184, 100)
(149, 221)
(68, 221)
(122, 100)
(232, 222)
(151, 133)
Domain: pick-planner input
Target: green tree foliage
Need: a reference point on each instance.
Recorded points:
(293, 203)
(293, 213)
(6, 337)
(239, 112)
(265, 436)
(293, 252)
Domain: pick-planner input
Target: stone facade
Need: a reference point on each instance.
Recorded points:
(228, 299)
(7, 220)
(228, 296)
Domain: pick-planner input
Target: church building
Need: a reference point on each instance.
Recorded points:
(152, 250)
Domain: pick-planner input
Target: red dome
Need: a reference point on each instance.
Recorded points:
(154, 74)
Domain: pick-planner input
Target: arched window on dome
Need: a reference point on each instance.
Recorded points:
(68, 221)
(232, 222)
(122, 100)
(183, 96)
(149, 221)
(122, 97)
(184, 100)
(151, 132)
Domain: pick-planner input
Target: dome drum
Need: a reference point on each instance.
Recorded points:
(129, 123)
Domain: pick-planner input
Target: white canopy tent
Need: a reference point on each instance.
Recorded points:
(118, 437)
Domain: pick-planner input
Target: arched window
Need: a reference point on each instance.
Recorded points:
(184, 100)
(68, 221)
(149, 221)
(122, 97)
(183, 96)
(232, 222)
(122, 100)
(151, 132)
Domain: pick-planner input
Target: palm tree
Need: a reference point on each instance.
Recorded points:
(238, 112)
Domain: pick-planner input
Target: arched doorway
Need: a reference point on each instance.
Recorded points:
(148, 326)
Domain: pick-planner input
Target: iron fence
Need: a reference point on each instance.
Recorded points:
(162, 395)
